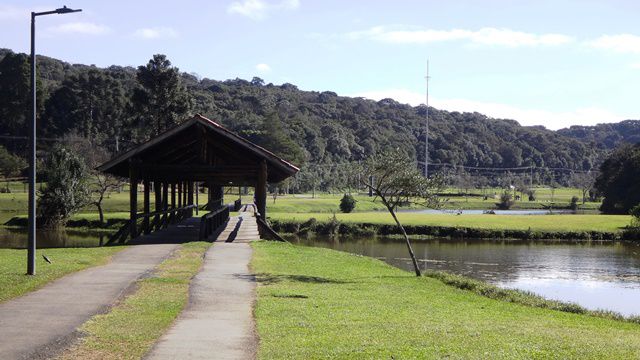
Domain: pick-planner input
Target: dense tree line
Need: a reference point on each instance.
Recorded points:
(118, 107)
(618, 180)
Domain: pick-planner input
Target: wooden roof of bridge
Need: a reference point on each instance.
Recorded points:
(200, 150)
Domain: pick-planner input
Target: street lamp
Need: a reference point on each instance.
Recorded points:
(31, 248)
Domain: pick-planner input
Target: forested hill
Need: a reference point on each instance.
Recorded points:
(100, 104)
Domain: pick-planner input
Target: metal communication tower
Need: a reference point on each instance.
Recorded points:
(426, 134)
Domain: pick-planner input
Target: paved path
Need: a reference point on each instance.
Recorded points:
(42, 322)
(241, 228)
(218, 322)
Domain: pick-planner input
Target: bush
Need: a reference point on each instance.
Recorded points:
(347, 203)
(506, 201)
(574, 203)
(532, 194)
(635, 216)
(66, 191)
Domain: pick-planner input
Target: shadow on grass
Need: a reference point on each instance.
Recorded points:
(267, 279)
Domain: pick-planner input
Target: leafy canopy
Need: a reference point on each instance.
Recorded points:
(66, 191)
(618, 180)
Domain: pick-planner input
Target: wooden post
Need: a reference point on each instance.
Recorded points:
(165, 196)
(173, 195)
(190, 192)
(217, 196)
(261, 190)
(210, 196)
(180, 194)
(147, 207)
(197, 197)
(157, 189)
(133, 198)
(184, 193)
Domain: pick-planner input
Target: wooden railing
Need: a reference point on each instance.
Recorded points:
(265, 230)
(212, 221)
(152, 221)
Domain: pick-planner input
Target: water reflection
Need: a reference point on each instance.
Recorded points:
(595, 275)
(17, 238)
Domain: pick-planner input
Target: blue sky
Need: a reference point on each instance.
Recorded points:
(551, 63)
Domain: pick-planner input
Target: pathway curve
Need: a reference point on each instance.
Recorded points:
(42, 322)
(218, 322)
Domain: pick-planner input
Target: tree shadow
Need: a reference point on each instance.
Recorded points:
(267, 279)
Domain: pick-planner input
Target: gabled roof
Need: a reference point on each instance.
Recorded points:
(185, 145)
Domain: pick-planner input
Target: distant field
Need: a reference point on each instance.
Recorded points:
(606, 223)
(116, 204)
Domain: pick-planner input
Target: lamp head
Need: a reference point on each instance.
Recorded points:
(66, 10)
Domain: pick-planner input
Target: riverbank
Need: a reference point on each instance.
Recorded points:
(567, 227)
(316, 303)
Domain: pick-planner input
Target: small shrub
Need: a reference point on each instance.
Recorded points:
(506, 201)
(347, 203)
(532, 194)
(574, 203)
(635, 216)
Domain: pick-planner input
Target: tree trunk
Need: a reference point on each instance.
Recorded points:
(406, 239)
(100, 213)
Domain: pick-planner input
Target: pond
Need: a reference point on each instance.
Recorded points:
(504, 212)
(17, 238)
(594, 275)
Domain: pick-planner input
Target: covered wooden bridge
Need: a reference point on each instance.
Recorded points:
(198, 152)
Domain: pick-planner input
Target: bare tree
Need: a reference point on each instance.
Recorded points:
(92, 155)
(397, 180)
(102, 184)
(583, 181)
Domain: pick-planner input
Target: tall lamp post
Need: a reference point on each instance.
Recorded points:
(31, 250)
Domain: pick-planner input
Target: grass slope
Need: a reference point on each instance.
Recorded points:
(13, 267)
(608, 223)
(130, 329)
(318, 303)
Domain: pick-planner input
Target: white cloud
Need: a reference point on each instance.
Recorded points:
(86, 28)
(260, 9)
(263, 68)
(528, 117)
(156, 33)
(9, 12)
(621, 43)
(484, 36)
(635, 66)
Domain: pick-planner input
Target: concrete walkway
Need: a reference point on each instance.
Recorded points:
(241, 228)
(44, 321)
(218, 322)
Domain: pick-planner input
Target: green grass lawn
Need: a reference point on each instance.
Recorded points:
(116, 205)
(13, 267)
(607, 223)
(130, 329)
(317, 303)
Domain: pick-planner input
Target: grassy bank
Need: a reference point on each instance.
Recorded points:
(585, 227)
(13, 266)
(130, 329)
(319, 303)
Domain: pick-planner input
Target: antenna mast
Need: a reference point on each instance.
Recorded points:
(426, 135)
